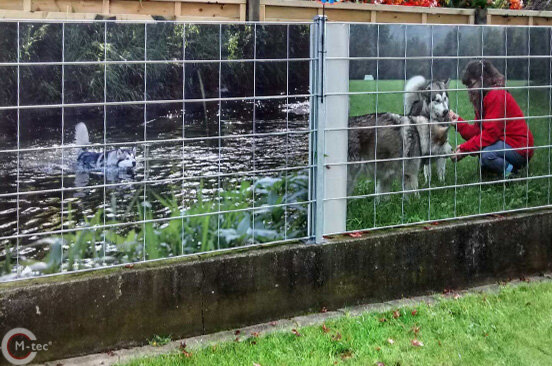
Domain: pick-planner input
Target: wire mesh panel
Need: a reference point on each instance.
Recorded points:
(129, 141)
(123, 142)
(409, 159)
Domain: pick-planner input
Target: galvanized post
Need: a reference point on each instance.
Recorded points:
(317, 126)
(336, 123)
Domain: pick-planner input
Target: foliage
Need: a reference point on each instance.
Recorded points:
(158, 341)
(476, 4)
(511, 327)
(279, 214)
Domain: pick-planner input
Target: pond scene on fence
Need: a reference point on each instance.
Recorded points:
(232, 172)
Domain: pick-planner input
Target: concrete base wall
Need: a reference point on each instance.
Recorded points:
(103, 310)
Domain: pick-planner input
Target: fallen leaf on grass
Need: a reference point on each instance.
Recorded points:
(456, 296)
(130, 265)
(415, 330)
(255, 334)
(182, 345)
(396, 314)
(378, 348)
(435, 223)
(273, 323)
(390, 341)
(237, 339)
(346, 355)
(356, 234)
(416, 343)
(382, 320)
(414, 312)
(294, 331)
(439, 343)
(110, 353)
(186, 353)
(336, 337)
(324, 309)
(325, 329)
(237, 332)
(427, 227)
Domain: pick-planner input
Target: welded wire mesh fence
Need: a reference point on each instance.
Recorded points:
(198, 140)
(504, 157)
(254, 133)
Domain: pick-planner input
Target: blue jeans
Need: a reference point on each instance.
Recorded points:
(497, 161)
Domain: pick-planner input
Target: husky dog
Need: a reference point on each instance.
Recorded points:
(401, 141)
(429, 99)
(91, 160)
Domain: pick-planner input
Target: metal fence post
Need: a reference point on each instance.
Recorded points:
(317, 125)
(329, 116)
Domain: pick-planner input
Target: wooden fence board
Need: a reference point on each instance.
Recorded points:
(67, 6)
(280, 13)
(164, 9)
(11, 4)
(211, 11)
(448, 19)
(125, 9)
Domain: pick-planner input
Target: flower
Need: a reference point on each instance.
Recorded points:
(516, 4)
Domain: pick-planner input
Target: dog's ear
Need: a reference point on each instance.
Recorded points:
(446, 82)
(426, 93)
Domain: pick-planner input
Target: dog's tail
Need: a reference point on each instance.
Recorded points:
(81, 135)
(412, 87)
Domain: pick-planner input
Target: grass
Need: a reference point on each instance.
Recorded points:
(513, 327)
(363, 213)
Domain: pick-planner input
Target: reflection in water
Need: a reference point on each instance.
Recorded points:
(176, 169)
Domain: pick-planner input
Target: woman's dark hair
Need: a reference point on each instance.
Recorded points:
(483, 71)
(485, 75)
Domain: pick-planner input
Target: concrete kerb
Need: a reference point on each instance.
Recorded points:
(283, 325)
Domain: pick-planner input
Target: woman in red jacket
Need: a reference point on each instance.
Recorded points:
(501, 135)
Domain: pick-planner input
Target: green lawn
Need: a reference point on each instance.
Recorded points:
(451, 202)
(513, 327)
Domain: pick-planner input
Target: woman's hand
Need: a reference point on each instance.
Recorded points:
(457, 155)
(453, 116)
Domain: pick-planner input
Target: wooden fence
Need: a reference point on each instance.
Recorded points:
(125, 9)
(264, 10)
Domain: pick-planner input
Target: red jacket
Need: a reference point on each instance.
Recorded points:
(517, 133)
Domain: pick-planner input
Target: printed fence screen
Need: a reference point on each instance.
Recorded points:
(123, 141)
(401, 139)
